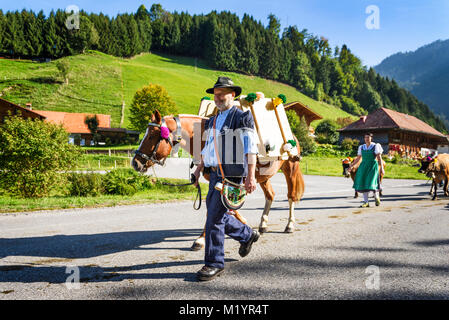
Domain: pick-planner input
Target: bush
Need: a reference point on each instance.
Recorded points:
(349, 144)
(32, 155)
(125, 182)
(329, 150)
(85, 184)
(327, 132)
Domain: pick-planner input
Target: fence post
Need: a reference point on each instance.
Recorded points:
(99, 167)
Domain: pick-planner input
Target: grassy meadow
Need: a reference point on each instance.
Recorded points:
(99, 83)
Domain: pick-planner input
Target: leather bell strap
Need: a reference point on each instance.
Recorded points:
(217, 155)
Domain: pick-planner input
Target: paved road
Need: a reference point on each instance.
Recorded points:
(398, 250)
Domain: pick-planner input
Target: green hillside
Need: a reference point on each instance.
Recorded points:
(98, 83)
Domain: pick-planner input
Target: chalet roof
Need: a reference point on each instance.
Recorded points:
(74, 122)
(384, 118)
(6, 106)
(303, 110)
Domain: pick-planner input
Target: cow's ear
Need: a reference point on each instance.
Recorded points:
(156, 117)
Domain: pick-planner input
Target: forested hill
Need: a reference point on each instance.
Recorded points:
(225, 42)
(425, 72)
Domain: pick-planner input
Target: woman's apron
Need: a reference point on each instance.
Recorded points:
(367, 177)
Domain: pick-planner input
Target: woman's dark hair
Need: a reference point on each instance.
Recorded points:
(369, 134)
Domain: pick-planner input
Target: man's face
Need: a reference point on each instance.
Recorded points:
(223, 98)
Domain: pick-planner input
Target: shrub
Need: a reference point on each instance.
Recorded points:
(327, 132)
(32, 155)
(85, 184)
(329, 150)
(125, 182)
(349, 144)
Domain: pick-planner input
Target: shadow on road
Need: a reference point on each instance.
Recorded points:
(65, 248)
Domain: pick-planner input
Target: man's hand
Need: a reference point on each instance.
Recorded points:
(250, 180)
(250, 183)
(197, 173)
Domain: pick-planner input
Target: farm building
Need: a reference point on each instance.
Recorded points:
(396, 132)
(73, 123)
(303, 111)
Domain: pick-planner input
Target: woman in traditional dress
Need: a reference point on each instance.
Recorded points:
(367, 178)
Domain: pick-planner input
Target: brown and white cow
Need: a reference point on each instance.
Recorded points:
(352, 172)
(424, 165)
(438, 170)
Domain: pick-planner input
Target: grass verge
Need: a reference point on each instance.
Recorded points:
(155, 195)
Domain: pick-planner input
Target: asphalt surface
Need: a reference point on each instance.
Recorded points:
(338, 251)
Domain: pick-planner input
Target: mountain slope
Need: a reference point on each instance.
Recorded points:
(98, 83)
(425, 72)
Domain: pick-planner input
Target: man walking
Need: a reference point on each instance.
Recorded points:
(229, 119)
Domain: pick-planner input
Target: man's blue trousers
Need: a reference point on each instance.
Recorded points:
(219, 224)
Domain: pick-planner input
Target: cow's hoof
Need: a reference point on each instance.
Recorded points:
(263, 230)
(196, 247)
(289, 230)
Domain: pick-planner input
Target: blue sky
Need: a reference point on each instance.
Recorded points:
(405, 25)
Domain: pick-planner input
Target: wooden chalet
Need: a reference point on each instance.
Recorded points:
(303, 111)
(73, 123)
(10, 109)
(396, 132)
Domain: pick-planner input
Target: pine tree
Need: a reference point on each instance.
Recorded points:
(144, 25)
(2, 31)
(83, 38)
(269, 59)
(135, 45)
(14, 41)
(32, 30)
(52, 45)
(247, 58)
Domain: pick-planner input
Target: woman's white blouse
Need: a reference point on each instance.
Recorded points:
(378, 148)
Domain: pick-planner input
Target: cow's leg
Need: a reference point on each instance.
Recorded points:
(199, 243)
(290, 228)
(445, 188)
(435, 188)
(356, 195)
(263, 226)
(269, 197)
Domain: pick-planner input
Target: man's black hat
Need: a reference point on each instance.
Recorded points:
(225, 82)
